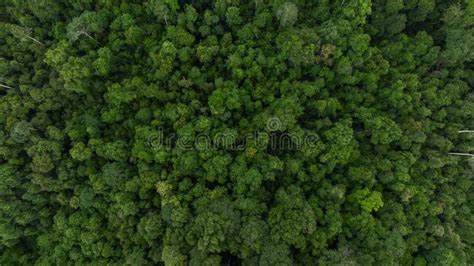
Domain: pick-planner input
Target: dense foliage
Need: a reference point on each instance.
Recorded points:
(88, 87)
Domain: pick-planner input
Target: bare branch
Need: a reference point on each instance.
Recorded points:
(88, 35)
(466, 131)
(35, 40)
(461, 154)
(5, 86)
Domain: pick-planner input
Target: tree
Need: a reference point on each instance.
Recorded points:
(287, 14)
(80, 152)
(163, 9)
(458, 41)
(22, 33)
(84, 25)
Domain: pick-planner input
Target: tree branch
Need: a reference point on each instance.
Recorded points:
(461, 154)
(35, 40)
(5, 86)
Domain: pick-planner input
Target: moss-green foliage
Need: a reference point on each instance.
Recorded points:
(106, 107)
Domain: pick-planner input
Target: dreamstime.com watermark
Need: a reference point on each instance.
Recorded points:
(274, 139)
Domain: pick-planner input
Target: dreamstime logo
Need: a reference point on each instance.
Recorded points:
(276, 140)
(274, 124)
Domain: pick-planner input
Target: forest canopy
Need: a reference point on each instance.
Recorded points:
(232, 132)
